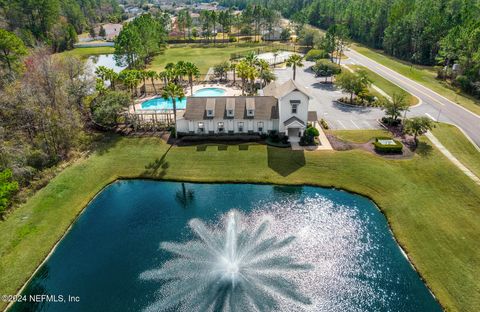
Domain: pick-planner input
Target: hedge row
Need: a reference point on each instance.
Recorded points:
(390, 149)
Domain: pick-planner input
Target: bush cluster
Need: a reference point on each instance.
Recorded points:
(314, 55)
(389, 149)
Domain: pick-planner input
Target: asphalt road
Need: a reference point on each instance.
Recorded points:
(338, 116)
(433, 104)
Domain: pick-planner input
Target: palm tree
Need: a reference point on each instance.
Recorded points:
(142, 74)
(191, 70)
(180, 70)
(294, 61)
(101, 72)
(233, 67)
(242, 70)
(275, 54)
(111, 76)
(173, 91)
(252, 74)
(163, 76)
(267, 76)
(152, 75)
(251, 58)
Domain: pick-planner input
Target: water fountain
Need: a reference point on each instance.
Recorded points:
(234, 267)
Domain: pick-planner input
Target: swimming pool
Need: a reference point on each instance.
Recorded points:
(210, 92)
(161, 103)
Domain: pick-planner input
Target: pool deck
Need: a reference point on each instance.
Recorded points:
(229, 91)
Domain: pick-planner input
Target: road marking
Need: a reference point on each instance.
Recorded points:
(430, 116)
(369, 126)
(410, 81)
(355, 124)
(341, 124)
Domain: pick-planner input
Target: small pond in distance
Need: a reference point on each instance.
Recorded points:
(355, 264)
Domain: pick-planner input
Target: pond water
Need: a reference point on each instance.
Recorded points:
(106, 60)
(343, 257)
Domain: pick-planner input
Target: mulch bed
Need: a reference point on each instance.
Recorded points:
(340, 145)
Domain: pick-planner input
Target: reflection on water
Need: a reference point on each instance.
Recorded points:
(356, 265)
(106, 60)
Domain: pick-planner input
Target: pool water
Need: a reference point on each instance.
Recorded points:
(356, 263)
(161, 103)
(209, 92)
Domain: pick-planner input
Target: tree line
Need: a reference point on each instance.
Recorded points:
(55, 22)
(426, 32)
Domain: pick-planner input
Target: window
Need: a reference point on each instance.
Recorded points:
(260, 126)
(230, 113)
(294, 104)
(210, 113)
(221, 128)
(294, 108)
(240, 127)
(250, 113)
(201, 127)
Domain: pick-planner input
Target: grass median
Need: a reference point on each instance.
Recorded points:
(431, 206)
(458, 144)
(385, 85)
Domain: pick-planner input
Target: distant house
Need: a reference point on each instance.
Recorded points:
(282, 108)
(111, 30)
(274, 34)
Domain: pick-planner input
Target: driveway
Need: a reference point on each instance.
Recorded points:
(338, 116)
(433, 104)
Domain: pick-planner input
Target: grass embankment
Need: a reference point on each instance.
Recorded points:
(204, 58)
(363, 136)
(385, 85)
(86, 52)
(422, 74)
(432, 207)
(454, 140)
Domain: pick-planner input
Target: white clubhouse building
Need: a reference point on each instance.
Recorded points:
(283, 108)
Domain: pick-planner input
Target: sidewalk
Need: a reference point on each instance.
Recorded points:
(452, 158)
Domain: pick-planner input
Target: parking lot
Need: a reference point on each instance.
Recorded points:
(341, 117)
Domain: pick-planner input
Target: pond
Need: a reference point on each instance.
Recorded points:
(158, 245)
(106, 60)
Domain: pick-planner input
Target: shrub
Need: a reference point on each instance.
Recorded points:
(388, 149)
(313, 55)
(324, 124)
(324, 68)
(311, 131)
(109, 106)
(8, 188)
(464, 83)
(232, 39)
(389, 121)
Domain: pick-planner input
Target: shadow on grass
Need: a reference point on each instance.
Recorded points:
(243, 147)
(104, 143)
(423, 149)
(285, 161)
(158, 168)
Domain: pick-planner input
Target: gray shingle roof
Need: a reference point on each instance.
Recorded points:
(266, 107)
(293, 119)
(280, 90)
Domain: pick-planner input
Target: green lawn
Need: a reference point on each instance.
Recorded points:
(204, 58)
(85, 52)
(384, 84)
(363, 136)
(432, 207)
(454, 140)
(421, 74)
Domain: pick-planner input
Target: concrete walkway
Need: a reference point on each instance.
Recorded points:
(324, 143)
(452, 158)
